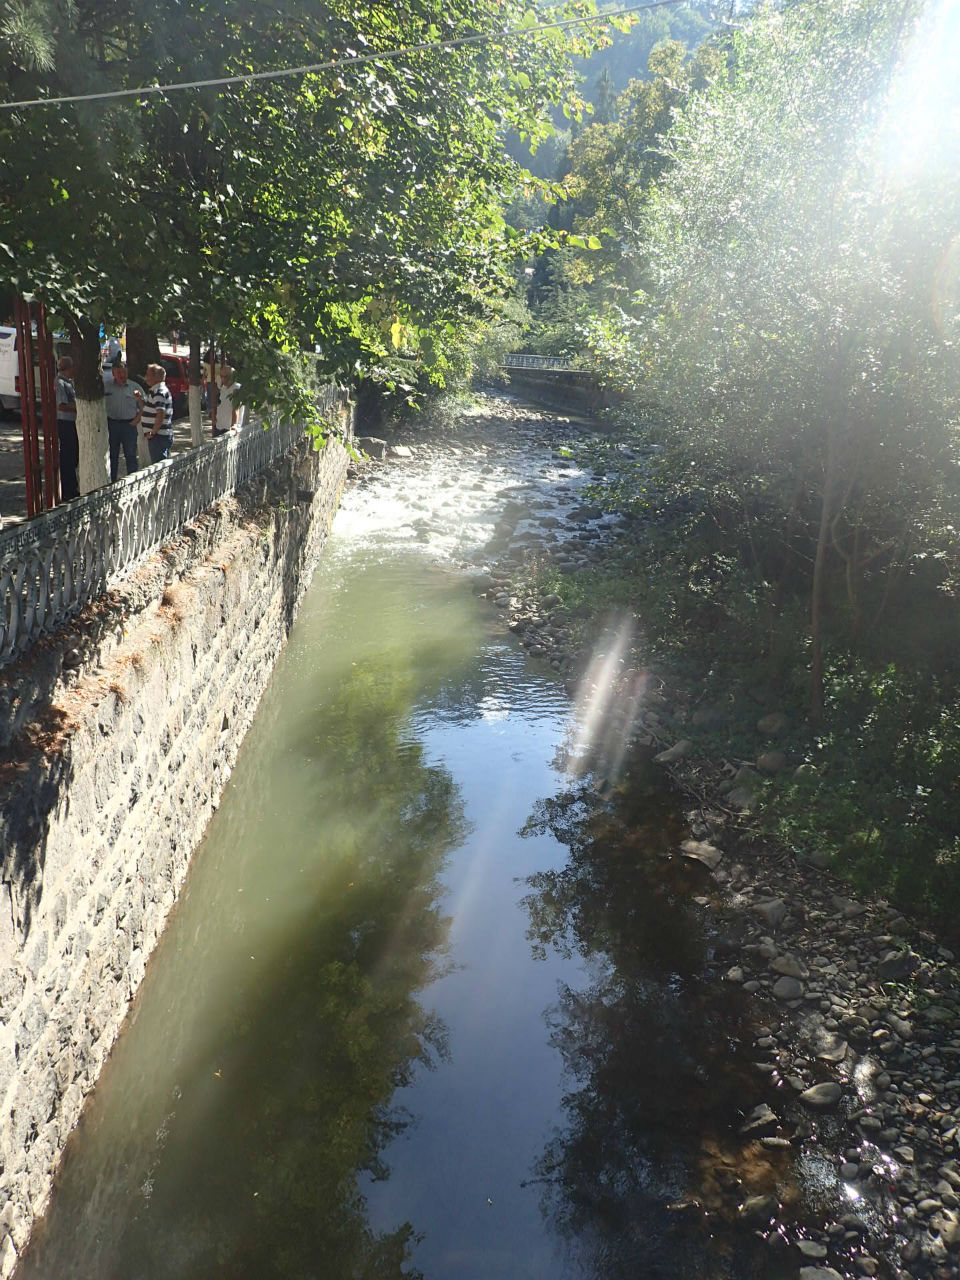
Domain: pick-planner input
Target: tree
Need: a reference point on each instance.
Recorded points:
(358, 211)
(608, 170)
(788, 321)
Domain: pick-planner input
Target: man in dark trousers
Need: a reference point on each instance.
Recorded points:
(158, 413)
(67, 430)
(124, 402)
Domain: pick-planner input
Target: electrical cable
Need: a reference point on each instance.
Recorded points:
(387, 55)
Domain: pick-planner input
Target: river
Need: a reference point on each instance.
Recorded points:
(425, 1006)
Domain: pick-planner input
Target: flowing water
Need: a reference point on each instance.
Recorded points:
(424, 1007)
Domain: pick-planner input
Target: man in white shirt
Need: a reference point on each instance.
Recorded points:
(229, 408)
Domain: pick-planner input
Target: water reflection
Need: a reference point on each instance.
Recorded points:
(645, 1167)
(254, 1090)
(272, 1069)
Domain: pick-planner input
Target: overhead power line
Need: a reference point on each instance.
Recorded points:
(388, 55)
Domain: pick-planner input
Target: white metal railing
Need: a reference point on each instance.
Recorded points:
(53, 565)
(518, 360)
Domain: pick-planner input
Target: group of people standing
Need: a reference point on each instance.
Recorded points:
(130, 408)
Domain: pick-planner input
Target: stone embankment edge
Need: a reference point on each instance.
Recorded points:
(117, 738)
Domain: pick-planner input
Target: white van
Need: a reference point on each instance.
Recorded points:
(10, 368)
(9, 386)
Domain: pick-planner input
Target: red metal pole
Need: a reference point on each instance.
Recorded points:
(213, 386)
(48, 409)
(28, 408)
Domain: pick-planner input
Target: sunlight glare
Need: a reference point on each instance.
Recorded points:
(605, 712)
(922, 118)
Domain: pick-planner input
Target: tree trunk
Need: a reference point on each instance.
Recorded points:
(854, 580)
(819, 574)
(94, 467)
(194, 394)
(142, 349)
(143, 449)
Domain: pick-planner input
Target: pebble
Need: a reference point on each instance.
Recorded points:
(789, 967)
(701, 851)
(760, 1209)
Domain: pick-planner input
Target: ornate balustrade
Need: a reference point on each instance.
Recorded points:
(51, 566)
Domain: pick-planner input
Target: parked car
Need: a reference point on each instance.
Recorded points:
(178, 379)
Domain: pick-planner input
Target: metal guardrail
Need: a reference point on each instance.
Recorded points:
(55, 564)
(520, 361)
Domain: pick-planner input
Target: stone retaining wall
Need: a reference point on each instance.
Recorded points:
(116, 740)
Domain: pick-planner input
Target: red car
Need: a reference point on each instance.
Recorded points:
(178, 380)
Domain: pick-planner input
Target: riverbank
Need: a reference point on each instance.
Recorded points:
(857, 1050)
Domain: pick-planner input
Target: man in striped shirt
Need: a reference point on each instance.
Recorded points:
(158, 413)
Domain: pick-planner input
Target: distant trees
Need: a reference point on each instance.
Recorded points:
(607, 171)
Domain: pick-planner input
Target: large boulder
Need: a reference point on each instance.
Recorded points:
(676, 752)
(822, 1097)
(703, 852)
(771, 911)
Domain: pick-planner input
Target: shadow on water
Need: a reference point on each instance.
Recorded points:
(280, 1077)
(646, 1172)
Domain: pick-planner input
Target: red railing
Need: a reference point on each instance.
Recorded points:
(43, 482)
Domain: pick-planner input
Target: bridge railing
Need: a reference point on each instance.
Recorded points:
(51, 566)
(519, 360)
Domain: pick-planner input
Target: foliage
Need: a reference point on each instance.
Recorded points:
(876, 786)
(608, 168)
(620, 56)
(357, 211)
(879, 791)
(788, 321)
(26, 27)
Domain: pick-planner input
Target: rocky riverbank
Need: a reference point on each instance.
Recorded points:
(857, 1009)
